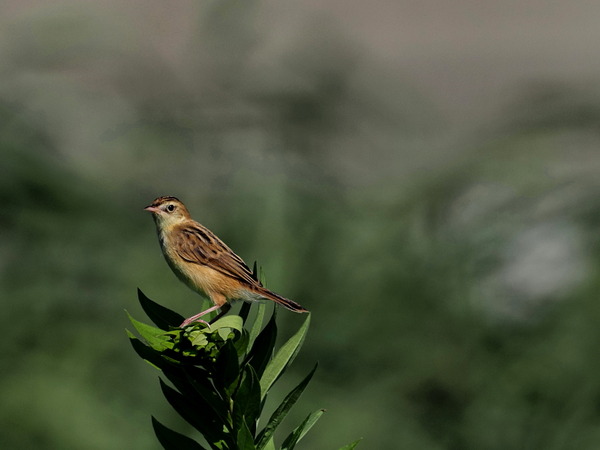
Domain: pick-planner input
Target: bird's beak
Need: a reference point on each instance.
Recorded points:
(152, 209)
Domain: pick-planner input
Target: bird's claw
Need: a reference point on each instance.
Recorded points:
(187, 322)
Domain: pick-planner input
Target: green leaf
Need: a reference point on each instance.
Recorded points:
(300, 431)
(155, 337)
(244, 311)
(241, 343)
(199, 338)
(246, 402)
(162, 317)
(258, 321)
(351, 446)
(196, 417)
(145, 352)
(270, 445)
(245, 440)
(227, 368)
(193, 383)
(209, 388)
(262, 349)
(172, 440)
(152, 356)
(283, 410)
(283, 358)
(232, 322)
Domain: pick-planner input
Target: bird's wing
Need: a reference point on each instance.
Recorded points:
(198, 245)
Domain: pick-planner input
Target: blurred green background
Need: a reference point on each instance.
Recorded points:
(422, 176)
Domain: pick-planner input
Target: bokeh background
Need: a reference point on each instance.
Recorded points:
(423, 176)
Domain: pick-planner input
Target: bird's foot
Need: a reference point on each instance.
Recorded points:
(191, 320)
(196, 318)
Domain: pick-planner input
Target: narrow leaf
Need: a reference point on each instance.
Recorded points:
(244, 311)
(300, 431)
(270, 445)
(283, 358)
(195, 386)
(172, 440)
(152, 356)
(162, 317)
(351, 446)
(258, 322)
(246, 403)
(283, 410)
(262, 349)
(241, 343)
(245, 440)
(155, 337)
(227, 368)
(196, 417)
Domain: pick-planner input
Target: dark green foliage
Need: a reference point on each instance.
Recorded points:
(163, 318)
(220, 377)
(172, 439)
(282, 411)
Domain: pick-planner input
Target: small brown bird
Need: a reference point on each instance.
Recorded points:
(203, 262)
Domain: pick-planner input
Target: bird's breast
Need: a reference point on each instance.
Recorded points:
(198, 277)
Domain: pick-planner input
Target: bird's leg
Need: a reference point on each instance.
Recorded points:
(196, 318)
(224, 310)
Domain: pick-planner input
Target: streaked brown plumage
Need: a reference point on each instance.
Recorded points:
(203, 262)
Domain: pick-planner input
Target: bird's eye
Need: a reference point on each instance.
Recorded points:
(171, 208)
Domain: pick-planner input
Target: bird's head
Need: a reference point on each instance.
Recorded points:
(168, 211)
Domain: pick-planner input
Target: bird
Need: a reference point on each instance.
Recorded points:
(204, 263)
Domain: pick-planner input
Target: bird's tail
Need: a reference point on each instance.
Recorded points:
(289, 304)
